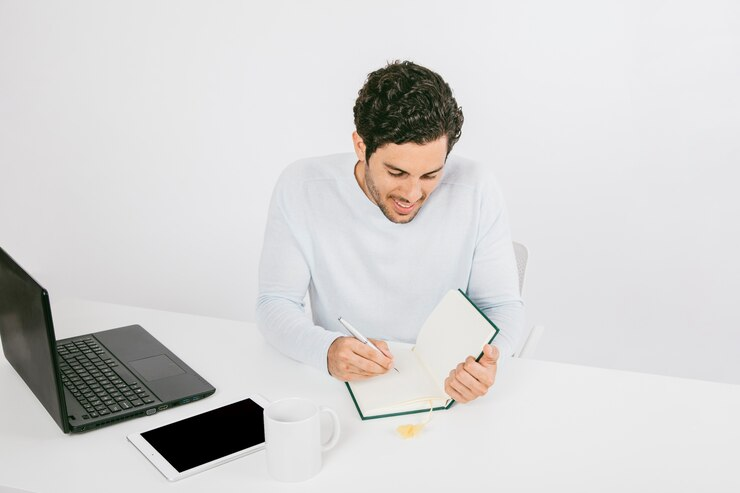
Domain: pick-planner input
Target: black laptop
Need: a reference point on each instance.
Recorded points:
(93, 380)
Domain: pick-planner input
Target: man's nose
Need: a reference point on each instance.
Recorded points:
(412, 190)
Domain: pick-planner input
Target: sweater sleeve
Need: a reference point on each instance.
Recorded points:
(494, 279)
(284, 276)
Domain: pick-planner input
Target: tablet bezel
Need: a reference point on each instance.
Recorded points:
(172, 474)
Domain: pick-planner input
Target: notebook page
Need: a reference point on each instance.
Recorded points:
(410, 384)
(453, 331)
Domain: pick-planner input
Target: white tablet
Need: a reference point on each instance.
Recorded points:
(192, 445)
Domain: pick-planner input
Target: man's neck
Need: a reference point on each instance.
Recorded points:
(360, 168)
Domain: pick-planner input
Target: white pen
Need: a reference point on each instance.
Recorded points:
(356, 334)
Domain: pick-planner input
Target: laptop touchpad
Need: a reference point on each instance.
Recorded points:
(156, 367)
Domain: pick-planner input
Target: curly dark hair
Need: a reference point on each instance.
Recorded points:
(405, 102)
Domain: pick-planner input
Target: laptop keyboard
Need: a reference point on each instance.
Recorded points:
(88, 372)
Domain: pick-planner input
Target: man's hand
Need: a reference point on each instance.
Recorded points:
(349, 359)
(472, 379)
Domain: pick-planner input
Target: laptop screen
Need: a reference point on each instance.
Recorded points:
(27, 336)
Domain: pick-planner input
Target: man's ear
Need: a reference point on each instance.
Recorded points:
(359, 146)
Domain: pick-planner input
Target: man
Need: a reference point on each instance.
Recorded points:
(380, 236)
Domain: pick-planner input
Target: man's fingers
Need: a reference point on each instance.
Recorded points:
(349, 359)
(472, 379)
(363, 359)
(474, 376)
(490, 355)
(383, 346)
(382, 359)
(370, 361)
(357, 374)
(457, 390)
(348, 371)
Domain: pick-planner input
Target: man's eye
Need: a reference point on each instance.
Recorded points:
(429, 177)
(398, 173)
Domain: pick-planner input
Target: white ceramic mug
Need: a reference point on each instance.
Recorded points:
(293, 438)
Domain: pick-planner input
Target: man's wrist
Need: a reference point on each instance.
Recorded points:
(331, 341)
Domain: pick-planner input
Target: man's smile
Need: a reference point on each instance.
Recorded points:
(402, 207)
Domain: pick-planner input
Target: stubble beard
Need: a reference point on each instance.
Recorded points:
(383, 206)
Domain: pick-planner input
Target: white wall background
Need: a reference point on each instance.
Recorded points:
(140, 140)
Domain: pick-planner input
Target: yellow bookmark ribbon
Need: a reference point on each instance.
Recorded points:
(412, 431)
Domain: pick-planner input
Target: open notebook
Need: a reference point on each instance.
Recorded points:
(454, 330)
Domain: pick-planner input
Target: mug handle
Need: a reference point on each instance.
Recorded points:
(334, 438)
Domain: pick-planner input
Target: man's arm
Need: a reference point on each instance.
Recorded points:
(494, 288)
(494, 280)
(284, 276)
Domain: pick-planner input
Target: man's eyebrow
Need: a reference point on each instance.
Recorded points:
(396, 168)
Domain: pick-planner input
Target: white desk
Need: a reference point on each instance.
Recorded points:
(543, 427)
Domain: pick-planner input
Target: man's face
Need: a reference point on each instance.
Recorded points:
(399, 177)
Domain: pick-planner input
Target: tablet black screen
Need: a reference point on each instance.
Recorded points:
(205, 437)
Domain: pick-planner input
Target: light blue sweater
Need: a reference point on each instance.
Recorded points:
(325, 237)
